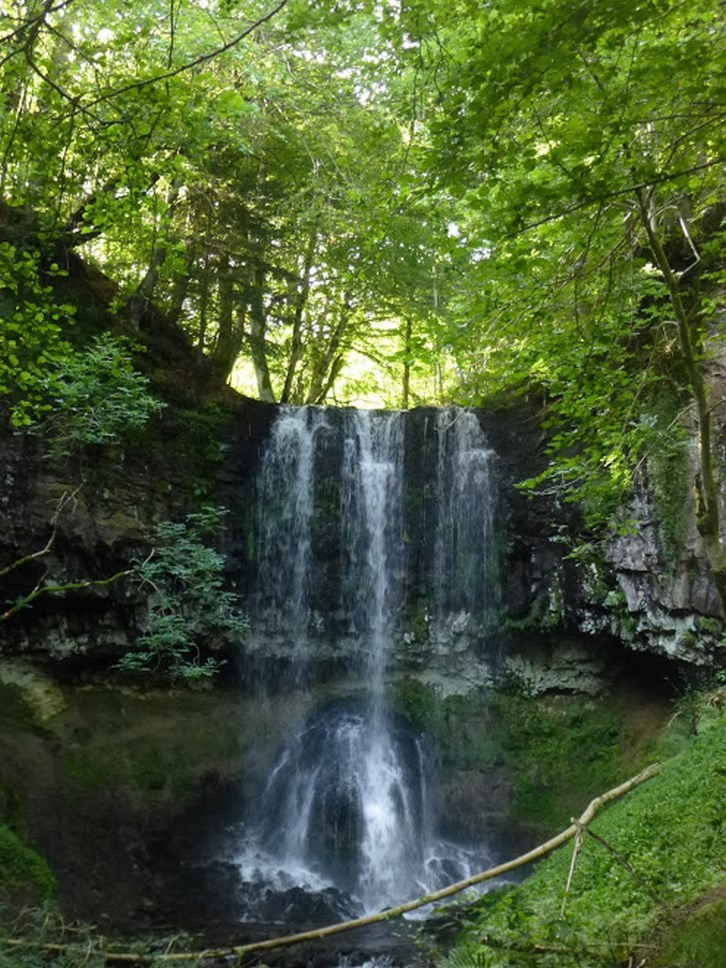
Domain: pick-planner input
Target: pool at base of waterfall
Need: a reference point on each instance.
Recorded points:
(344, 826)
(295, 895)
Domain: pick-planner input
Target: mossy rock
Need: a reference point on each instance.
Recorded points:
(25, 878)
(27, 694)
(550, 754)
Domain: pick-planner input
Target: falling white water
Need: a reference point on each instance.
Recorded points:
(285, 509)
(345, 809)
(372, 528)
(372, 522)
(463, 559)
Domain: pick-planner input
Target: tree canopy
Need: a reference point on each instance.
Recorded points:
(382, 201)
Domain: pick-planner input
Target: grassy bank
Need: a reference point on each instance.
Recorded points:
(651, 886)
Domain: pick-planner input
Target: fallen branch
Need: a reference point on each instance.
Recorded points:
(240, 951)
(573, 864)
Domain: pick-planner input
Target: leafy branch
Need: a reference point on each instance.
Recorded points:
(183, 68)
(634, 189)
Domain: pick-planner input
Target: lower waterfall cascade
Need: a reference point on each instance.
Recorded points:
(346, 812)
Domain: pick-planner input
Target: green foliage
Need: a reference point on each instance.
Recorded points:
(23, 872)
(697, 939)
(457, 214)
(268, 212)
(670, 832)
(32, 324)
(189, 611)
(92, 396)
(98, 398)
(558, 135)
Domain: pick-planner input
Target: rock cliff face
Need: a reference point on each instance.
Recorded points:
(658, 606)
(125, 780)
(563, 621)
(89, 518)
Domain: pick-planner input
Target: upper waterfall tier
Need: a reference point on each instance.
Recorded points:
(371, 530)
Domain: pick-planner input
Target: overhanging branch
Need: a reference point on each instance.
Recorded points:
(619, 192)
(190, 65)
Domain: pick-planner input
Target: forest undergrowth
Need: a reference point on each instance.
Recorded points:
(646, 886)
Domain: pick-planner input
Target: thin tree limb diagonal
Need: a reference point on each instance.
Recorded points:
(238, 952)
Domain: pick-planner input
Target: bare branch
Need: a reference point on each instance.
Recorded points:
(239, 952)
(65, 499)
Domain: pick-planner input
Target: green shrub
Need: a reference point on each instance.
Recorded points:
(190, 614)
(98, 397)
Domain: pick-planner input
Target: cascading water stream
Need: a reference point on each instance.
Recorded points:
(462, 565)
(372, 524)
(285, 519)
(345, 808)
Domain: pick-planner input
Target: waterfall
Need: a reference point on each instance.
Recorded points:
(372, 527)
(345, 808)
(465, 501)
(285, 506)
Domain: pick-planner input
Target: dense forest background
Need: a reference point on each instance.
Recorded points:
(384, 203)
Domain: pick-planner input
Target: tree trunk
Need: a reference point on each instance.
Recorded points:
(256, 335)
(708, 516)
(329, 364)
(303, 291)
(406, 387)
(138, 303)
(230, 329)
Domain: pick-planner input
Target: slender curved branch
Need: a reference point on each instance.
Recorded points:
(71, 586)
(618, 193)
(32, 25)
(66, 498)
(240, 951)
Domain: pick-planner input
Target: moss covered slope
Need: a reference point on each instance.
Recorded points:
(653, 885)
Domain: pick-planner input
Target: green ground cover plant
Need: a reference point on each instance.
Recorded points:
(649, 856)
(23, 873)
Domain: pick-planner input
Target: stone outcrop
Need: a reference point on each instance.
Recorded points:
(561, 620)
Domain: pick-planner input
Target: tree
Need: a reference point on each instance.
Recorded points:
(584, 148)
(237, 164)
